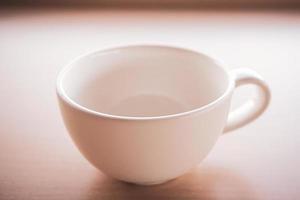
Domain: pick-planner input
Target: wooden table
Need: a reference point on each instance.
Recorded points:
(38, 159)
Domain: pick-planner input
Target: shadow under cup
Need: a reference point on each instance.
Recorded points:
(144, 81)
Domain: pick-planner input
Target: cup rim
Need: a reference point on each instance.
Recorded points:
(63, 95)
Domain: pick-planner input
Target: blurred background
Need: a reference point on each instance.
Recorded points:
(159, 3)
(38, 37)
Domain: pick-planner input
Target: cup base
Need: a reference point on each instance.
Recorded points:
(152, 183)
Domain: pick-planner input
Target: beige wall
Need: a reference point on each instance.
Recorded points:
(158, 3)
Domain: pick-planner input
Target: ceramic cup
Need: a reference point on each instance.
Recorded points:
(147, 114)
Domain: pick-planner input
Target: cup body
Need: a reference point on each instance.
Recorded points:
(132, 139)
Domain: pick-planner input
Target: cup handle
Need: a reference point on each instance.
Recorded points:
(252, 108)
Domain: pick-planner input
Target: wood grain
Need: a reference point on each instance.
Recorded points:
(39, 161)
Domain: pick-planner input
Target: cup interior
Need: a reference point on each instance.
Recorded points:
(144, 81)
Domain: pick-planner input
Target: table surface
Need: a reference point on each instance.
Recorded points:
(37, 157)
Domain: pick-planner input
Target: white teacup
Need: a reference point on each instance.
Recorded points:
(148, 114)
